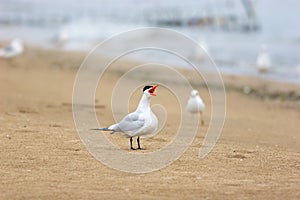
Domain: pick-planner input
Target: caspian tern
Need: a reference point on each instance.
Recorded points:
(195, 104)
(263, 61)
(140, 122)
(15, 48)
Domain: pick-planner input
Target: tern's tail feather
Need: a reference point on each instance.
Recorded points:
(114, 128)
(101, 129)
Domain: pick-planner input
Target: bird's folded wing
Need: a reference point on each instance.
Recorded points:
(8, 49)
(131, 123)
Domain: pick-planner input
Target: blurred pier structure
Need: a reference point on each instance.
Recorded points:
(224, 15)
(230, 15)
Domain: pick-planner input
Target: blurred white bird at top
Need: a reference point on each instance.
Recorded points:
(61, 37)
(15, 48)
(298, 69)
(195, 104)
(263, 61)
(201, 50)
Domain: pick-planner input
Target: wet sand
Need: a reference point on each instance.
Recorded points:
(42, 157)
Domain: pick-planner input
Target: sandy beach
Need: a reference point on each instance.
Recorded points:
(42, 156)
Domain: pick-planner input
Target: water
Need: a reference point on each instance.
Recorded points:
(82, 25)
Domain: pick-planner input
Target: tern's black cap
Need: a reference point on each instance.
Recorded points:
(147, 87)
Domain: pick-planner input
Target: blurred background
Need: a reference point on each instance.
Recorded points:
(244, 37)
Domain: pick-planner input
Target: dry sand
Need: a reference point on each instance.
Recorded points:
(42, 157)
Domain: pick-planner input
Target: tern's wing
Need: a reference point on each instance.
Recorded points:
(131, 123)
(8, 49)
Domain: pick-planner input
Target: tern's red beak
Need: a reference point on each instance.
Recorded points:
(151, 91)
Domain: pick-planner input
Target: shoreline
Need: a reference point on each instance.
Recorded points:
(54, 48)
(247, 84)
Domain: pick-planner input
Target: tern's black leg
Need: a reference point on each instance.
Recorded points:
(202, 121)
(138, 141)
(131, 144)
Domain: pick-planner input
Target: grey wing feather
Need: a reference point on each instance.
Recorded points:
(8, 49)
(131, 123)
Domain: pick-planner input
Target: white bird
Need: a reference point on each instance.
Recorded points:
(61, 37)
(263, 61)
(202, 50)
(15, 48)
(140, 122)
(195, 104)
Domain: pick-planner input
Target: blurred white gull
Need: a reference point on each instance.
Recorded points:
(202, 50)
(61, 37)
(195, 104)
(15, 48)
(298, 69)
(263, 61)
